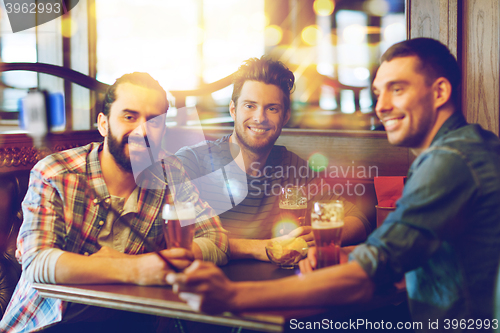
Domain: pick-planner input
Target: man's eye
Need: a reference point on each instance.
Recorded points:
(129, 117)
(249, 106)
(155, 123)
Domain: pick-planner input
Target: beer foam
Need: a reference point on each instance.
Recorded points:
(326, 225)
(178, 214)
(284, 205)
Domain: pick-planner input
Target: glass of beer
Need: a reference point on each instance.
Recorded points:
(293, 203)
(179, 225)
(327, 221)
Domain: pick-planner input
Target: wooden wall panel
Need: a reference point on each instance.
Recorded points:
(436, 19)
(363, 150)
(480, 64)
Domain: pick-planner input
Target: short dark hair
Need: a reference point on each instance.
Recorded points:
(137, 78)
(267, 71)
(435, 58)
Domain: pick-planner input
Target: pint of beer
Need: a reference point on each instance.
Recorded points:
(293, 204)
(179, 224)
(327, 221)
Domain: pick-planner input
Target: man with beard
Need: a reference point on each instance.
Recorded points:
(260, 107)
(84, 210)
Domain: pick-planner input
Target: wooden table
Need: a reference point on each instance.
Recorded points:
(162, 301)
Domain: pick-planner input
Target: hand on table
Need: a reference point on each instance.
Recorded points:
(309, 263)
(204, 287)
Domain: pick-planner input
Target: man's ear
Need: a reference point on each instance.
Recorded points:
(442, 92)
(102, 124)
(232, 110)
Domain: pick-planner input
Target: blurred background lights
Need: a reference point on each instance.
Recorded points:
(258, 21)
(323, 7)
(354, 34)
(361, 73)
(325, 68)
(68, 27)
(284, 227)
(272, 35)
(376, 7)
(318, 162)
(311, 35)
(395, 32)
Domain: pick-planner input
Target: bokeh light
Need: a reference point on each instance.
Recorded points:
(272, 35)
(284, 227)
(361, 73)
(395, 32)
(69, 27)
(318, 162)
(311, 35)
(323, 7)
(376, 7)
(354, 34)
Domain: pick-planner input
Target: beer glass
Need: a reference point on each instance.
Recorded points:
(179, 224)
(327, 221)
(293, 203)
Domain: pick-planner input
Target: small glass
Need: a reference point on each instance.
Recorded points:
(293, 203)
(179, 224)
(327, 221)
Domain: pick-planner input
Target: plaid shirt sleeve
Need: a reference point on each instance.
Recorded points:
(208, 224)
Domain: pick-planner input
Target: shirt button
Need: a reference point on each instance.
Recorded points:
(86, 254)
(101, 222)
(96, 201)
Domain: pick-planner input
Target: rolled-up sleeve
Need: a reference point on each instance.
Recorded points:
(43, 219)
(431, 209)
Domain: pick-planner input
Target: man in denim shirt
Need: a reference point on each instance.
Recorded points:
(445, 232)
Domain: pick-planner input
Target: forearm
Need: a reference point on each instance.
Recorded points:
(248, 249)
(354, 231)
(343, 284)
(208, 251)
(72, 268)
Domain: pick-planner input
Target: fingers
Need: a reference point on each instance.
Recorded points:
(309, 264)
(300, 231)
(305, 266)
(178, 253)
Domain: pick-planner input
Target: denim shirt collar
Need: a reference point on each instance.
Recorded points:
(455, 121)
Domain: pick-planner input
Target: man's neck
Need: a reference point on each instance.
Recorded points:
(252, 163)
(443, 115)
(119, 182)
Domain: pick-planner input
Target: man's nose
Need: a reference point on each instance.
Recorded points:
(384, 104)
(140, 128)
(260, 115)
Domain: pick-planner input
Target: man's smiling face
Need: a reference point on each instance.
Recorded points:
(258, 116)
(137, 115)
(405, 102)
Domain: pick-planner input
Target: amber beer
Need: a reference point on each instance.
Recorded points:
(327, 222)
(296, 212)
(327, 237)
(293, 204)
(179, 225)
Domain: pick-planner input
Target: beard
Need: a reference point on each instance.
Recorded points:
(117, 150)
(263, 146)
